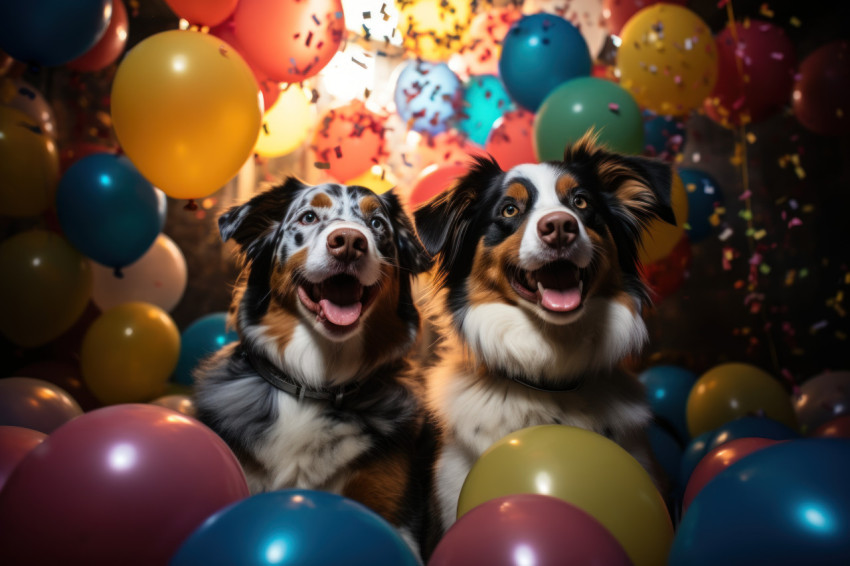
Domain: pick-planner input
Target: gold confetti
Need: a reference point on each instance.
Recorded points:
(795, 21)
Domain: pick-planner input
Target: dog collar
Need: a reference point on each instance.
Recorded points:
(278, 379)
(572, 386)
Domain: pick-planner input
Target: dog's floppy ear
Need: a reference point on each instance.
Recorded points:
(658, 178)
(412, 255)
(249, 224)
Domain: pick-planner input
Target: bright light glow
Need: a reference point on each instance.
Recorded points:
(105, 180)
(36, 261)
(524, 556)
(660, 394)
(349, 74)
(128, 331)
(179, 64)
(543, 483)
(276, 551)
(817, 518)
(577, 107)
(122, 457)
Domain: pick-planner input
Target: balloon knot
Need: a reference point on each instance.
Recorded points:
(191, 205)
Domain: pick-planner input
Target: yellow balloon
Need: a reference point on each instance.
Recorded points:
(667, 59)
(659, 238)
(286, 124)
(582, 468)
(186, 110)
(377, 179)
(432, 29)
(29, 165)
(733, 390)
(44, 288)
(129, 352)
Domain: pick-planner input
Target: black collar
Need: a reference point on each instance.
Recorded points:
(541, 385)
(278, 379)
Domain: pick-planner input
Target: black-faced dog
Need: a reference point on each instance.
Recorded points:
(540, 302)
(316, 393)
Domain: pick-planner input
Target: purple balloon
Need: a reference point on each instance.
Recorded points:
(821, 399)
(36, 404)
(528, 529)
(15, 443)
(66, 375)
(125, 484)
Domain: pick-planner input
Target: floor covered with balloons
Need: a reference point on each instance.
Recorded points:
(127, 127)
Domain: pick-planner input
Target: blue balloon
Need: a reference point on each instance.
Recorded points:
(484, 101)
(750, 427)
(664, 136)
(428, 96)
(702, 201)
(667, 390)
(540, 52)
(696, 449)
(203, 337)
(295, 526)
(667, 451)
(107, 209)
(52, 32)
(785, 505)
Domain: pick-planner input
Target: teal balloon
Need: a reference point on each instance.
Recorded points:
(295, 526)
(539, 52)
(702, 201)
(484, 101)
(108, 210)
(583, 104)
(667, 389)
(667, 451)
(203, 337)
(785, 505)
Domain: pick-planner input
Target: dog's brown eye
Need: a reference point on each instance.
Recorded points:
(580, 202)
(510, 210)
(309, 217)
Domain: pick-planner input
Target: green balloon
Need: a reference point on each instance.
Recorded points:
(584, 103)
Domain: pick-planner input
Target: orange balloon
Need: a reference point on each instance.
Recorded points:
(29, 165)
(433, 181)
(349, 140)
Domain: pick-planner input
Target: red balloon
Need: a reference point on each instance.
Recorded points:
(718, 460)
(36, 404)
(836, 428)
(756, 63)
(349, 140)
(822, 91)
(289, 40)
(15, 443)
(203, 12)
(668, 274)
(125, 484)
(64, 374)
(447, 148)
(111, 44)
(617, 12)
(528, 529)
(511, 141)
(433, 180)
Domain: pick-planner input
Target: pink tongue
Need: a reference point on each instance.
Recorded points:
(560, 300)
(341, 315)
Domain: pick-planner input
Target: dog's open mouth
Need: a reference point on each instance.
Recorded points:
(338, 302)
(557, 286)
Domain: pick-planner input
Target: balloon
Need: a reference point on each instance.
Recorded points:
(836, 428)
(186, 111)
(581, 104)
(667, 275)
(181, 403)
(822, 398)
(158, 277)
(718, 460)
(448, 148)
(667, 59)
(286, 124)
(29, 165)
(427, 96)
(484, 102)
(617, 12)
(50, 289)
(755, 72)
(750, 427)
(65, 375)
(129, 352)
(667, 451)
(73, 153)
(784, 505)
(584, 469)
(111, 44)
(664, 136)
(694, 452)
(203, 12)
(203, 337)
(15, 443)
(376, 179)
(539, 53)
(348, 140)
(704, 196)
(120, 485)
(295, 526)
(20, 95)
(289, 41)
(822, 90)
(733, 390)
(35, 404)
(659, 238)
(107, 210)
(433, 30)
(528, 528)
(510, 141)
(52, 32)
(434, 180)
(481, 46)
(667, 389)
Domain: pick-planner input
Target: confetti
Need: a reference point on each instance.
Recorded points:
(322, 165)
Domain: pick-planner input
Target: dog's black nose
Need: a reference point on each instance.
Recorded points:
(347, 244)
(558, 229)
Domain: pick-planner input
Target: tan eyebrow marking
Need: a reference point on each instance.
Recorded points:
(321, 200)
(517, 191)
(369, 205)
(564, 184)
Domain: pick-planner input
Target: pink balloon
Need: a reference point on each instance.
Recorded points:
(15, 443)
(822, 91)
(434, 180)
(511, 141)
(718, 460)
(528, 529)
(836, 428)
(36, 404)
(125, 484)
(111, 44)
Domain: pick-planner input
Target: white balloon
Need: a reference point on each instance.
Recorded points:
(158, 277)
